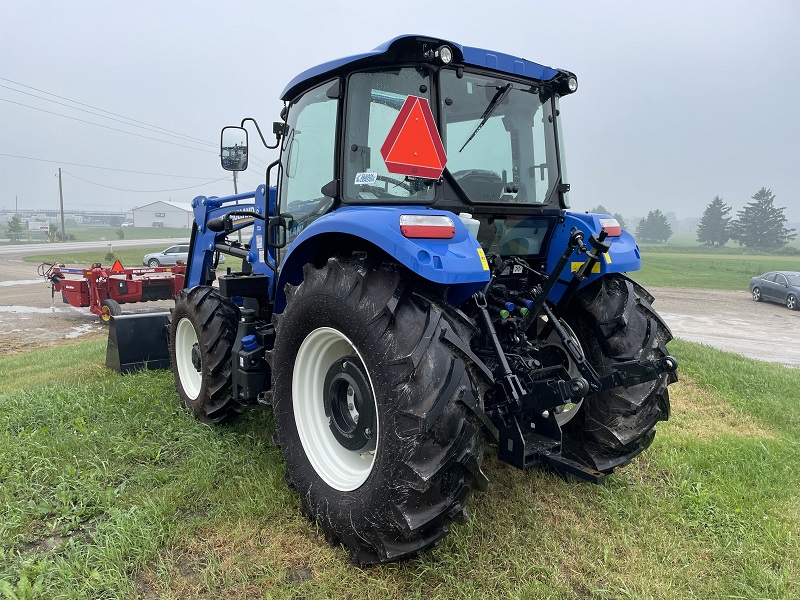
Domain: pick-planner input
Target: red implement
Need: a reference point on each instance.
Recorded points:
(103, 289)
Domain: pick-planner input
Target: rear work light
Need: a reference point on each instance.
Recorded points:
(611, 227)
(427, 226)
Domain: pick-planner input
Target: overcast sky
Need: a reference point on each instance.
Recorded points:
(677, 101)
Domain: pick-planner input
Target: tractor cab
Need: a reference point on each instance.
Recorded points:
(481, 138)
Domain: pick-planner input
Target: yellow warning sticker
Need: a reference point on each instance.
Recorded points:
(608, 258)
(482, 256)
(577, 265)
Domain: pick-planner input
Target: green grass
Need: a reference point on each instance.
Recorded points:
(708, 271)
(130, 257)
(109, 490)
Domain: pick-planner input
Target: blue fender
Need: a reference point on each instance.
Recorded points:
(457, 263)
(623, 256)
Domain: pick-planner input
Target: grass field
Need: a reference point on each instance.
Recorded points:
(109, 490)
(708, 271)
(130, 257)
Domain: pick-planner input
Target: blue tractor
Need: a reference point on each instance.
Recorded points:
(413, 287)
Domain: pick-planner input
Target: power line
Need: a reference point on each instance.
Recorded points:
(61, 162)
(143, 191)
(153, 130)
(106, 126)
(100, 109)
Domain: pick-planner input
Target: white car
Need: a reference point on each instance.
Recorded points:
(171, 256)
(168, 257)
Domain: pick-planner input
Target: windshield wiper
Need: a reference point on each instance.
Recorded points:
(499, 96)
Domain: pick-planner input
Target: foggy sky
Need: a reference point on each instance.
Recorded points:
(677, 101)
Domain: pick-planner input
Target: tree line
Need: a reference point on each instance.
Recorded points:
(760, 224)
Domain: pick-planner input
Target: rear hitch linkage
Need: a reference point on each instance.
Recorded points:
(526, 430)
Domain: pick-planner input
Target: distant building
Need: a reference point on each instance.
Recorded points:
(163, 214)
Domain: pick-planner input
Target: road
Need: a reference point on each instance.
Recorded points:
(20, 250)
(727, 320)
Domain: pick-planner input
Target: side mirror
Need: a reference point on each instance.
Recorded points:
(233, 148)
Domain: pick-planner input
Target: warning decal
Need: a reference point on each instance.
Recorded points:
(413, 146)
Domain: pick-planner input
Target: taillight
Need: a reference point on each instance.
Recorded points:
(427, 226)
(611, 227)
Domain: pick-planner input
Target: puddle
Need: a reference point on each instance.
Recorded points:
(79, 331)
(28, 309)
(22, 282)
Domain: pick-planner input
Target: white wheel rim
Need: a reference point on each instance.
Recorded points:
(568, 410)
(185, 339)
(342, 469)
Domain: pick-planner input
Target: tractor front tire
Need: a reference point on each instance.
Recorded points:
(201, 336)
(368, 409)
(615, 322)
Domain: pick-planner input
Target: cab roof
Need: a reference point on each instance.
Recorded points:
(408, 48)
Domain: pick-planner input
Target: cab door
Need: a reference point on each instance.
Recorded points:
(308, 184)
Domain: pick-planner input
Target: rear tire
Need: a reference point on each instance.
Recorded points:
(395, 494)
(109, 308)
(615, 322)
(791, 302)
(757, 294)
(201, 336)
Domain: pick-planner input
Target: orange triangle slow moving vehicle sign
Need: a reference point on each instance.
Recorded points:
(413, 146)
(117, 268)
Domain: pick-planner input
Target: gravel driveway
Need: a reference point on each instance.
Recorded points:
(732, 321)
(726, 320)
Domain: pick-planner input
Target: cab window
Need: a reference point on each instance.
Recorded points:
(374, 101)
(308, 156)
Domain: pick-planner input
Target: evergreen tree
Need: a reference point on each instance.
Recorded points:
(714, 227)
(14, 229)
(760, 224)
(654, 228)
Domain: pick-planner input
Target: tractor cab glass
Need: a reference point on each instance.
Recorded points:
(233, 148)
(499, 137)
(373, 105)
(308, 153)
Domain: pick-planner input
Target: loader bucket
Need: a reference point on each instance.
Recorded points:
(138, 342)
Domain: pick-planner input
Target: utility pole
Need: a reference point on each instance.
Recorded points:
(16, 202)
(61, 198)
